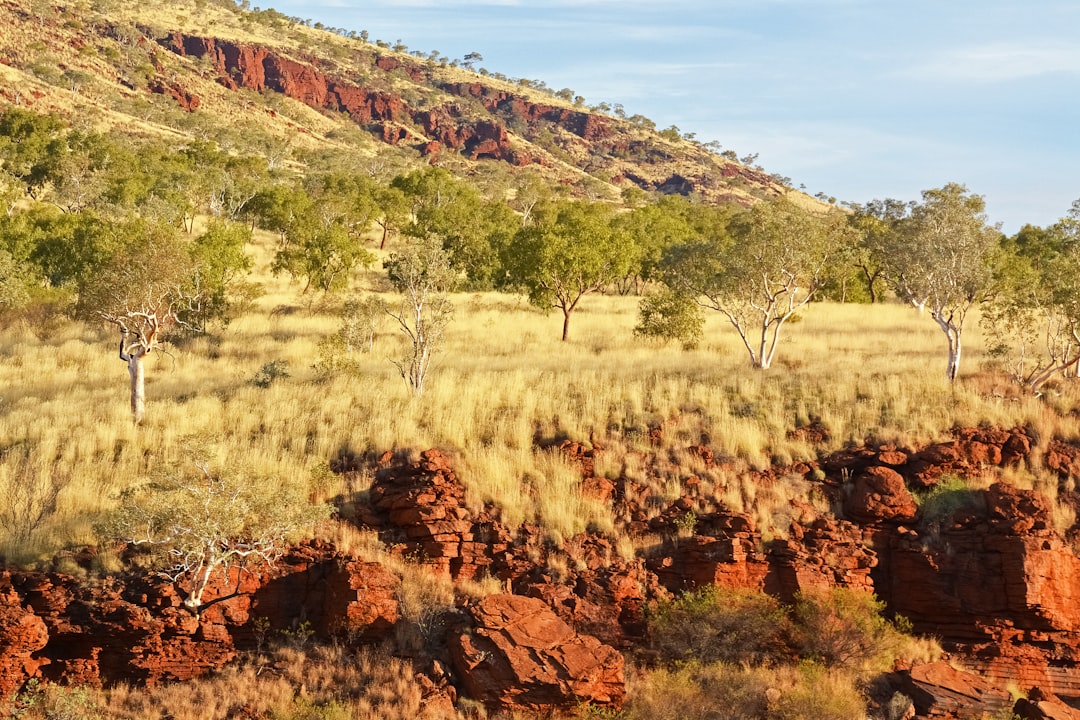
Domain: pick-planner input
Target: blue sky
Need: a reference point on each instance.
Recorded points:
(858, 99)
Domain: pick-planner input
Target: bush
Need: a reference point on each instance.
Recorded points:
(205, 524)
(334, 360)
(727, 692)
(271, 372)
(817, 693)
(29, 488)
(670, 316)
(950, 494)
(844, 628)
(717, 624)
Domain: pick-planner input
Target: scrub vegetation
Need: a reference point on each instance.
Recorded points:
(283, 300)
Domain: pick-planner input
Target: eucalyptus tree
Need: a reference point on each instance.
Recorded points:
(651, 229)
(940, 257)
(153, 285)
(221, 272)
(319, 236)
(469, 228)
(874, 224)
(1033, 318)
(392, 212)
(30, 146)
(145, 289)
(14, 288)
(571, 249)
(759, 271)
(422, 273)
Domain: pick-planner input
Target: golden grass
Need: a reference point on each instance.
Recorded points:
(503, 382)
(318, 682)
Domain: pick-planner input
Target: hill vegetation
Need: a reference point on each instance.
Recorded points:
(315, 249)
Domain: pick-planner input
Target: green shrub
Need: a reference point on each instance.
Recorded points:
(697, 692)
(844, 628)
(717, 624)
(670, 316)
(940, 502)
(818, 693)
(271, 372)
(727, 692)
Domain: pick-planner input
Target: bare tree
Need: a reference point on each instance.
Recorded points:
(148, 290)
(421, 272)
(206, 525)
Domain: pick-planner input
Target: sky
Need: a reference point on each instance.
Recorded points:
(858, 99)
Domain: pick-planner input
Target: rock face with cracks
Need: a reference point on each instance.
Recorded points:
(519, 654)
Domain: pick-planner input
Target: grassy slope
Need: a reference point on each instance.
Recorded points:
(503, 379)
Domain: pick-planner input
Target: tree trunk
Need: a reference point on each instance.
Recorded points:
(871, 281)
(566, 324)
(954, 359)
(764, 357)
(138, 385)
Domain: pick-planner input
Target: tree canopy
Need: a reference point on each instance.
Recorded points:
(571, 249)
(759, 270)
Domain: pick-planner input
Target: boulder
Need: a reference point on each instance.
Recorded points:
(22, 635)
(520, 655)
(880, 495)
(424, 503)
(940, 690)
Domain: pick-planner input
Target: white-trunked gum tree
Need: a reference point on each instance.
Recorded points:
(940, 256)
(154, 285)
(759, 272)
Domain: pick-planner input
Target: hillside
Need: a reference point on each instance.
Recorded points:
(258, 81)
(288, 430)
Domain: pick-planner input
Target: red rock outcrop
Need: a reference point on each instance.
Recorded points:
(880, 494)
(519, 654)
(55, 627)
(1002, 588)
(588, 126)
(1063, 459)
(185, 99)
(826, 554)
(727, 556)
(940, 690)
(972, 451)
(425, 503)
(1040, 705)
(99, 634)
(258, 68)
(22, 635)
(989, 575)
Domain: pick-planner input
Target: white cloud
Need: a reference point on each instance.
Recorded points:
(1000, 62)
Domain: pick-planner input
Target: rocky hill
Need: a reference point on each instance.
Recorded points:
(988, 576)
(256, 80)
